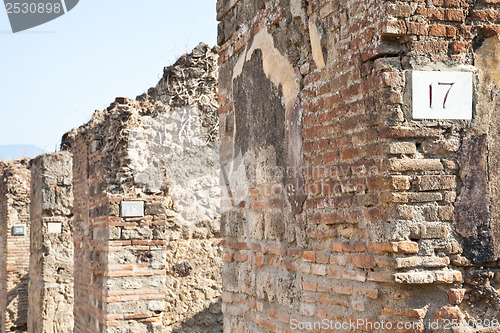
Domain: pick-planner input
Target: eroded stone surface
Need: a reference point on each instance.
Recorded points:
(14, 249)
(159, 271)
(51, 251)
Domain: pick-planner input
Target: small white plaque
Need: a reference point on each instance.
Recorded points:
(442, 95)
(19, 230)
(54, 228)
(132, 209)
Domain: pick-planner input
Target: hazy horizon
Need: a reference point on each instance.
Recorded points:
(17, 151)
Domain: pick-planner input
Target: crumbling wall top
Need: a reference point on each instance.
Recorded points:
(190, 82)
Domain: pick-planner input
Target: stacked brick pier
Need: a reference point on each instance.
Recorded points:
(119, 271)
(147, 255)
(14, 244)
(50, 290)
(355, 211)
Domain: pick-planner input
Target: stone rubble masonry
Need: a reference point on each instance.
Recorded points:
(119, 272)
(50, 289)
(14, 258)
(159, 272)
(356, 210)
(103, 272)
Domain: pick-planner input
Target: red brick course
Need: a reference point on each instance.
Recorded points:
(14, 260)
(379, 187)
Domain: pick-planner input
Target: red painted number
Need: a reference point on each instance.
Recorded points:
(445, 99)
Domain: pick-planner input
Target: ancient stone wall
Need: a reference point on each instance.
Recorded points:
(14, 244)
(147, 247)
(50, 289)
(119, 262)
(354, 209)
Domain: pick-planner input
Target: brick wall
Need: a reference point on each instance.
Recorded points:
(119, 272)
(355, 210)
(14, 259)
(51, 244)
(159, 272)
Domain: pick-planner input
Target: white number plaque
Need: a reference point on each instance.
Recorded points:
(54, 228)
(19, 230)
(132, 209)
(442, 95)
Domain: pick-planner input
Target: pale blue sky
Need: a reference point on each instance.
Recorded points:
(53, 77)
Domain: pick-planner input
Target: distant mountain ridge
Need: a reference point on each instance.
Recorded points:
(12, 152)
